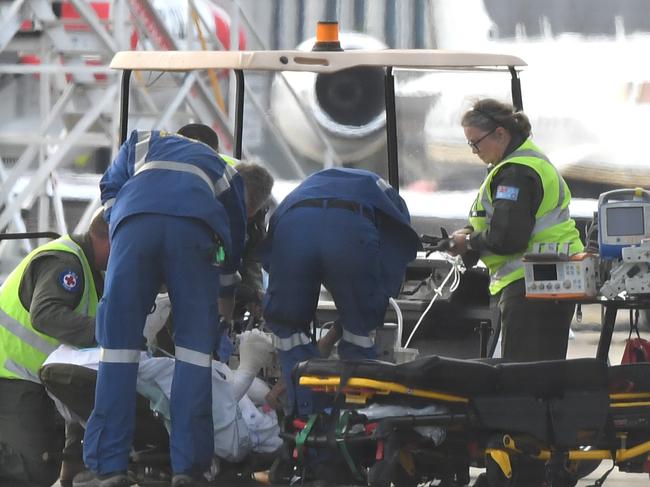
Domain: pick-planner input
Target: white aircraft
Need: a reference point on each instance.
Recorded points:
(588, 99)
(587, 96)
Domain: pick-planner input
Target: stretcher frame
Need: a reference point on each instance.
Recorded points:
(358, 390)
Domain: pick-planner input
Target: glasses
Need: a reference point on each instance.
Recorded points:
(474, 144)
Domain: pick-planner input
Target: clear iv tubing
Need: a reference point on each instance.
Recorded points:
(400, 322)
(457, 268)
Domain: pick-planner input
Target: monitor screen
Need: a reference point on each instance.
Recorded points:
(624, 221)
(544, 272)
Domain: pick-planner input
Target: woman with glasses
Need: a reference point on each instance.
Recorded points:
(523, 201)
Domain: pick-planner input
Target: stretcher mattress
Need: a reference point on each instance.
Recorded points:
(471, 377)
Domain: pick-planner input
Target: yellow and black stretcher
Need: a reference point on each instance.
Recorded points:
(565, 415)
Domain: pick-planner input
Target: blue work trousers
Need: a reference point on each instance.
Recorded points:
(148, 250)
(338, 248)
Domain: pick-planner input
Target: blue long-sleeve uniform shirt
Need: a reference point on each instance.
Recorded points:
(165, 173)
(399, 242)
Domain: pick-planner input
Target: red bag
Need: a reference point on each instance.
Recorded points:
(636, 350)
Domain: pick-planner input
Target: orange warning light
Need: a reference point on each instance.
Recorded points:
(327, 37)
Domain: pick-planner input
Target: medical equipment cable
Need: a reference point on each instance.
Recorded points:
(457, 268)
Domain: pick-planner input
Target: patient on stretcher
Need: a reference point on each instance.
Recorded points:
(243, 423)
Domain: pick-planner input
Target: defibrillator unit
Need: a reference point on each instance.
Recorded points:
(551, 273)
(623, 220)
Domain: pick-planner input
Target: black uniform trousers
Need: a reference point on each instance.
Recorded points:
(532, 329)
(29, 428)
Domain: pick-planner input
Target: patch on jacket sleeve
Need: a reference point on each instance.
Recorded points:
(69, 281)
(506, 193)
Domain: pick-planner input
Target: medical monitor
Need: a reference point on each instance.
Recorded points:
(625, 222)
(622, 222)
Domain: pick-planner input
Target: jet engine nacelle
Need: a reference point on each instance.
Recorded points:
(346, 107)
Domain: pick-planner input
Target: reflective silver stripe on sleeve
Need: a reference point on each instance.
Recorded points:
(359, 340)
(109, 203)
(229, 279)
(383, 185)
(21, 371)
(180, 167)
(141, 150)
(286, 344)
(26, 335)
(193, 357)
(119, 356)
(223, 183)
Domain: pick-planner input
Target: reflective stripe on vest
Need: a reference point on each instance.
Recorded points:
(27, 335)
(286, 344)
(231, 161)
(23, 349)
(21, 371)
(552, 220)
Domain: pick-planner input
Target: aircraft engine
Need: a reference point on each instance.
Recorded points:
(346, 108)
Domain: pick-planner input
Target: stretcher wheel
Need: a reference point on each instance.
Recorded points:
(525, 473)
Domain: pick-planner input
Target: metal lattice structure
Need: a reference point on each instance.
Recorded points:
(60, 116)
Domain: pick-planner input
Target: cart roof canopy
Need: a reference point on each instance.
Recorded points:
(318, 61)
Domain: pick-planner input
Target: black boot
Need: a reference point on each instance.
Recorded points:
(88, 478)
(185, 480)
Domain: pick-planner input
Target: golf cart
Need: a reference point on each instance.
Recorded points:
(460, 323)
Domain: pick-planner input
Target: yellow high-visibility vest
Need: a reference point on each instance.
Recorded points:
(552, 220)
(23, 349)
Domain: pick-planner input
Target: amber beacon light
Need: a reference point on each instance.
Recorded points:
(327, 37)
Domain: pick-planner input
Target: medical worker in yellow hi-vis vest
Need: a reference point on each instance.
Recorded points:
(50, 298)
(523, 201)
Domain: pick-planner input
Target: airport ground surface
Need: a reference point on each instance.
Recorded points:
(583, 344)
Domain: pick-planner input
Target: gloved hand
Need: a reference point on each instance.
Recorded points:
(255, 351)
(156, 319)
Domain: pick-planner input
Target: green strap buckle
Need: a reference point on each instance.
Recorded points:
(302, 436)
(341, 430)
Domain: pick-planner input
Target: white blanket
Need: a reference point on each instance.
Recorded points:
(238, 427)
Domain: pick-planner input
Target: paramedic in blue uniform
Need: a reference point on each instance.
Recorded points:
(171, 203)
(350, 231)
